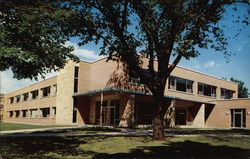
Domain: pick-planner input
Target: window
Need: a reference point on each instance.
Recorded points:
(18, 98)
(53, 111)
(76, 72)
(33, 113)
(75, 102)
(11, 114)
(76, 79)
(17, 113)
(45, 112)
(45, 91)
(180, 84)
(11, 100)
(226, 94)
(55, 89)
(206, 90)
(25, 96)
(24, 112)
(34, 94)
(143, 113)
(75, 85)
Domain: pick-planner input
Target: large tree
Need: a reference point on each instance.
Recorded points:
(31, 39)
(242, 90)
(157, 30)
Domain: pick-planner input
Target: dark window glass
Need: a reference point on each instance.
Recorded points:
(11, 114)
(143, 113)
(34, 94)
(18, 97)
(75, 85)
(24, 113)
(17, 113)
(25, 96)
(181, 85)
(11, 100)
(206, 90)
(76, 71)
(45, 112)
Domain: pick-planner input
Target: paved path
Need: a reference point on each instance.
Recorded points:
(124, 132)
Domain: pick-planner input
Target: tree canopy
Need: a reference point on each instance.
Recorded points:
(31, 39)
(242, 89)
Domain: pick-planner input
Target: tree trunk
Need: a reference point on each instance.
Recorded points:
(158, 127)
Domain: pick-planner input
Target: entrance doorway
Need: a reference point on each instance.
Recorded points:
(238, 118)
(180, 117)
(110, 112)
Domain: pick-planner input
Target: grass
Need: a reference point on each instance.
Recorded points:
(124, 147)
(5, 126)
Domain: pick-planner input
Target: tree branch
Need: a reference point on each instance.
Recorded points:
(173, 65)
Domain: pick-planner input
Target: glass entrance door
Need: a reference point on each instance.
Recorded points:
(110, 112)
(238, 117)
(180, 117)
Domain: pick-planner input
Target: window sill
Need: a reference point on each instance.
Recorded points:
(172, 90)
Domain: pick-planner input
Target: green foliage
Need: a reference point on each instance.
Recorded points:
(31, 39)
(242, 90)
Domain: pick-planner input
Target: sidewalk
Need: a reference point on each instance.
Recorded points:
(124, 132)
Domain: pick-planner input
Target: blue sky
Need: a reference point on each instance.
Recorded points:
(209, 62)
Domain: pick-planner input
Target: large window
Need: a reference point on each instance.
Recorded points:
(143, 113)
(45, 112)
(45, 91)
(180, 84)
(34, 94)
(25, 96)
(226, 94)
(206, 90)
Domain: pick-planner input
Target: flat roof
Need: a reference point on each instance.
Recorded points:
(132, 92)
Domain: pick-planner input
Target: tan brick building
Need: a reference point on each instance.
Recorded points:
(103, 93)
(1, 106)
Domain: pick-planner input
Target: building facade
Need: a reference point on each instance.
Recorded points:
(103, 93)
(1, 106)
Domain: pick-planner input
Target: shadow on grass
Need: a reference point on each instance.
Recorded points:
(39, 148)
(186, 149)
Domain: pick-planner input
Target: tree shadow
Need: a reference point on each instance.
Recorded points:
(39, 147)
(186, 149)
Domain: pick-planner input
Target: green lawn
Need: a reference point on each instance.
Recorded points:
(123, 147)
(5, 126)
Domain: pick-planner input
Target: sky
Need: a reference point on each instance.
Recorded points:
(209, 62)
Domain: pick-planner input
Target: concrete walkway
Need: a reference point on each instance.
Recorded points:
(124, 132)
